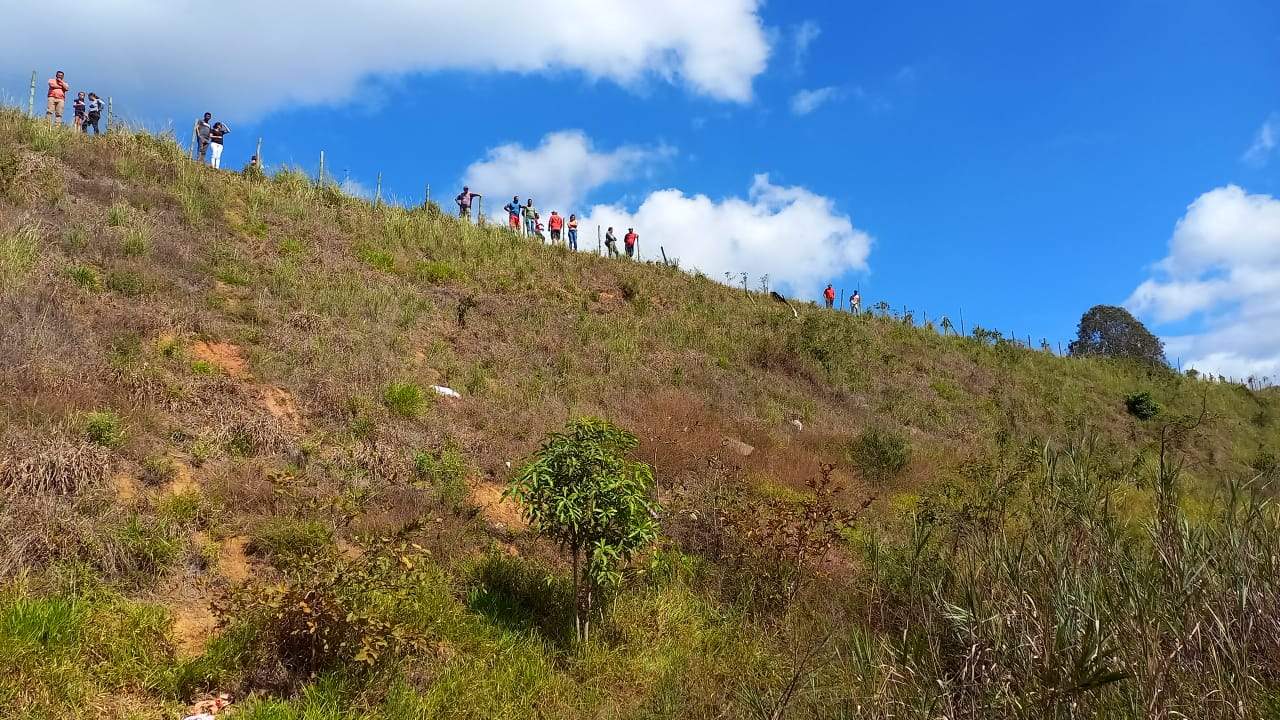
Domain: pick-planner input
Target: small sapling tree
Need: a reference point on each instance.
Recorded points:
(581, 490)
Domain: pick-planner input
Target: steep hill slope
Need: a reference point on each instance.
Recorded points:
(214, 385)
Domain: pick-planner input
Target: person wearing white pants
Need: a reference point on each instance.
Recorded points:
(215, 144)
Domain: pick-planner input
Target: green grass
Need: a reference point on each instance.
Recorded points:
(987, 579)
(19, 250)
(103, 427)
(86, 277)
(406, 399)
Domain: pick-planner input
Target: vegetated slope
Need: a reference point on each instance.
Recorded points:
(217, 408)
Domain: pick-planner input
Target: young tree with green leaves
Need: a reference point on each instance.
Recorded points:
(581, 490)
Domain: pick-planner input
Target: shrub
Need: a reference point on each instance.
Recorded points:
(404, 398)
(85, 276)
(103, 427)
(1141, 405)
(582, 491)
(880, 454)
(158, 470)
(330, 612)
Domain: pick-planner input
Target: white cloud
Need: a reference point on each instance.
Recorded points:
(246, 57)
(559, 173)
(1223, 274)
(806, 101)
(791, 234)
(805, 33)
(1264, 142)
(355, 189)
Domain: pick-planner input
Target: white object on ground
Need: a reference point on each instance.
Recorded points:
(799, 426)
(447, 392)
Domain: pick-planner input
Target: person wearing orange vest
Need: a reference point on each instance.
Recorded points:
(57, 101)
(830, 296)
(573, 232)
(555, 224)
(630, 240)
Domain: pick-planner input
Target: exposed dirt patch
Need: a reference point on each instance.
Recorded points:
(223, 355)
(125, 487)
(279, 403)
(182, 482)
(499, 511)
(233, 562)
(193, 625)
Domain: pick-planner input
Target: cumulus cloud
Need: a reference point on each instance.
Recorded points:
(806, 101)
(1264, 142)
(247, 57)
(560, 172)
(793, 235)
(1222, 274)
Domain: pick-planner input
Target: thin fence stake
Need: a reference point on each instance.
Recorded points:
(599, 242)
(258, 154)
(963, 332)
(111, 119)
(664, 255)
(427, 196)
(321, 176)
(31, 99)
(377, 197)
(194, 135)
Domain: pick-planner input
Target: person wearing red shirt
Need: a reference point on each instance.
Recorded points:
(555, 224)
(57, 102)
(630, 240)
(830, 296)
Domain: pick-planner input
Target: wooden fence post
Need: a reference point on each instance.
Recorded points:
(194, 138)
(258, 154)
(377, 196)
(599, 242)
(962, 330)
(321, 175)
(31, 99)
(111, 119)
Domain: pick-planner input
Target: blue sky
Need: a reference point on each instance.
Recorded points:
(1018, 161)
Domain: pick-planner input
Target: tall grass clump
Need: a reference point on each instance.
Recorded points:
(1036, 598)
(404, 398)
(19, 250)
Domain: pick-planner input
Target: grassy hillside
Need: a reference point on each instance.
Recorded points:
(223, 468)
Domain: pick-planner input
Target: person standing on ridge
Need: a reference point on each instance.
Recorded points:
(78, 109)
(573, 232)
(203, 130)
(530, 219)
(611, 242)
(57, 99)
(855, 302)
(630, 240)
(513, 213)
(216, 133)
(830, 296)
(538, 228)
(555, 223)
(464, 202)
(94, 110)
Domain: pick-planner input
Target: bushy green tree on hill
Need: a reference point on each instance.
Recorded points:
(1112, 331)
(582, 491)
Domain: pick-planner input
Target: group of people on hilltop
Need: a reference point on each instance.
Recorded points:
(525, 220)
(209, 139)
(855, 300)
(87, 109)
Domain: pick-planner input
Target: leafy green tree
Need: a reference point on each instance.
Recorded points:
(1112, 331)
(581, 490)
